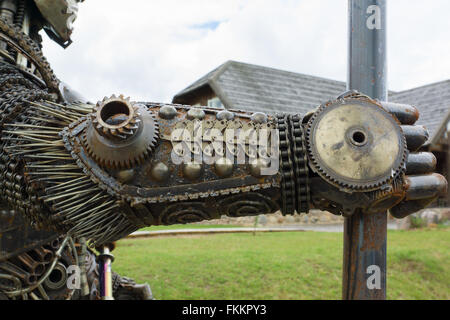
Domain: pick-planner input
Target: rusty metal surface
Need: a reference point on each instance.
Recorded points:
(101, 174)
(365, 234)
(59, 17)
(17, 236)
(356, 145)
(364, 246)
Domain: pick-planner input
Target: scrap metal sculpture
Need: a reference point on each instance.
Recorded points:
(72, 170)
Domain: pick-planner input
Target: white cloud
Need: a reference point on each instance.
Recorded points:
(150, 50)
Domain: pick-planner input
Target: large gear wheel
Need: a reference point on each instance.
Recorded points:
(122, 134)
(356, 145)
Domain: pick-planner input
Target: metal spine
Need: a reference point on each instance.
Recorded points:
(293, 165)
(20, 14)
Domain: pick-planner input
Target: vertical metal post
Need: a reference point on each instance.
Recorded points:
(364, 267)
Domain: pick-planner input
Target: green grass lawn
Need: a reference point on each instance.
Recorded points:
(291, 265)
(188, 226)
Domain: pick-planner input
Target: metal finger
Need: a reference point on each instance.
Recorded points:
(420, 163)
(416, 136)
(425, 186)
(407, 208)
(405, 113)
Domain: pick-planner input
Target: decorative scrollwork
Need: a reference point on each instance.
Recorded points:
(248, 204)
(185, 212)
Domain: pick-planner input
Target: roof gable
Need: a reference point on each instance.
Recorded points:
(432, 101)
(251, 87)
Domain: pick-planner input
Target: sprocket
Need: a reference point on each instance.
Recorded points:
(356, 145)
(121, 134)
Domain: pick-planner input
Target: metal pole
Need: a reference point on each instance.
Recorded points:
(364, 267)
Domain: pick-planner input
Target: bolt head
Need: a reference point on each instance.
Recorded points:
(224, 167)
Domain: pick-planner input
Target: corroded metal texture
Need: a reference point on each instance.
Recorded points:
(59, 17)
(195, 166)
(367, 73)
(73, 169)
(359, 255)
(356, 146)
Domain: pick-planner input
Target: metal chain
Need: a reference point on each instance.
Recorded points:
(300, 160)
(293, 165)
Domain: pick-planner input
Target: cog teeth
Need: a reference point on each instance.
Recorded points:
(137, 154)
(316, 161)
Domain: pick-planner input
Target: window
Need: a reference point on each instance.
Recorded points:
(215, 103)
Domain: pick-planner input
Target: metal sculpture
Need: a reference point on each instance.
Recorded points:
(73, 170)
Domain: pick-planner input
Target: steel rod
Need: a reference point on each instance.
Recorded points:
(364, 265)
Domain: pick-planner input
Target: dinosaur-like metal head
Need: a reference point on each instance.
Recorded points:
(59, 17)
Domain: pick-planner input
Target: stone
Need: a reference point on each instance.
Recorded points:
(289, 219)
(262, 220)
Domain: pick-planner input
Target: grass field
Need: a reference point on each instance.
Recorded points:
(293, 265)
(190, 226)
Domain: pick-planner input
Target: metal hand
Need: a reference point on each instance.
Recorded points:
(369, 160)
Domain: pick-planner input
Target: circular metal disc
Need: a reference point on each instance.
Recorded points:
(356, 144)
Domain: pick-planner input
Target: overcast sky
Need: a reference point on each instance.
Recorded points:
(150, 50)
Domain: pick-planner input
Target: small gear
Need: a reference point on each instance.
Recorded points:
(355, 144)
(122, 134)
(116, 117)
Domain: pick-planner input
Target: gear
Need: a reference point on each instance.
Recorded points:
(122, 134)
(116, 117)
(355, 144)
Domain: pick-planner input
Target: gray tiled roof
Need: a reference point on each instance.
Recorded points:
(256, 88)
(433, 102)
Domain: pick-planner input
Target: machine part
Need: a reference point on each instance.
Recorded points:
(416, 136)
(17, 236)
(106, 259)
(71, 96)
(116, 118)
(121, 134)
(427, 186)
(293, 165)
(8, 9)
(421, 163)
(51, 284)
(60, 16)
(126, 289)
(23, 44)
(286, 167)
(356, 145)
(300, 161)
(406, 114)
(57, 278)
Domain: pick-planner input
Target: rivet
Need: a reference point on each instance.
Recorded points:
(196, 113)
(259, 117)
(224, 167)
(160, 172)
(225, 115)
(192, 170)
(168, 112)
(256, 166)
(125, 176)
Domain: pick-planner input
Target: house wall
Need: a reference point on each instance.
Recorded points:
(442, 152)
(199, 96)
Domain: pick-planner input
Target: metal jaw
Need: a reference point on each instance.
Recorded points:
(59, 16)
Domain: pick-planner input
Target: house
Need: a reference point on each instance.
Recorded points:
(242, 86)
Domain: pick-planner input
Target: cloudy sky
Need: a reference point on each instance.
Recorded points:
(150, 50)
